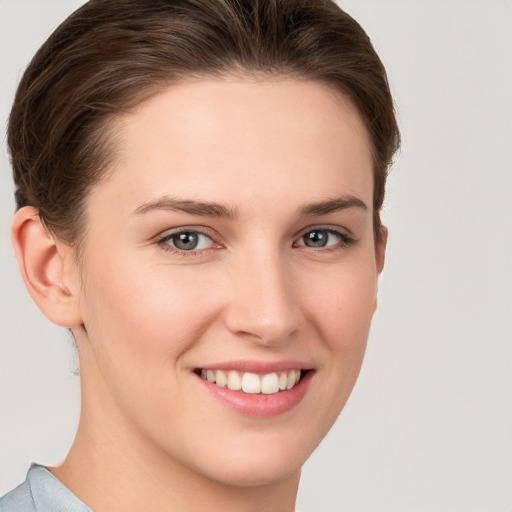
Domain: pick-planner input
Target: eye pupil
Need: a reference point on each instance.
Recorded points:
(185, 241)
(317, 238)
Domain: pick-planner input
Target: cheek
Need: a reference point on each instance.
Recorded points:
(136, 316)
(341, 311)
(344, 301)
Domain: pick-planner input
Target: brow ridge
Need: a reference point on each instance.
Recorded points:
(332, 205)
(213, 209)
(193, 207)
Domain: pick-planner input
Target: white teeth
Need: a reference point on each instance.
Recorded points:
(290, 380)
(234, 381)
(270, 384)
(252, 383)
(220, 378)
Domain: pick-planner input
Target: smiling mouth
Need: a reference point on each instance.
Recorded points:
(252, 383)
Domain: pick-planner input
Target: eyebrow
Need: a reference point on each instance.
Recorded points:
(202, 208)
(332, 205)
(212, 209)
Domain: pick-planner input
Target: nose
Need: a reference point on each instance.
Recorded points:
(263, 305)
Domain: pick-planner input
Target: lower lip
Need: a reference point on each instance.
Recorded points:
(260, 405)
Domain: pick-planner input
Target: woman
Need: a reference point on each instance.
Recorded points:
(199, 187)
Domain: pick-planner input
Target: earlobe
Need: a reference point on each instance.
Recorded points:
(42, 264)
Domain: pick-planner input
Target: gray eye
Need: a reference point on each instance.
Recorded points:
(316, 238)
(321, 238)
(189, 240)
(185, 241)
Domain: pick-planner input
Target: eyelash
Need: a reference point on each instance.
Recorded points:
(345, 240)
(163, 242)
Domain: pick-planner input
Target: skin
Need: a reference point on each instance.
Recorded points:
(145, 316)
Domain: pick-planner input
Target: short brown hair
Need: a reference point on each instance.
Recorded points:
(110, 55)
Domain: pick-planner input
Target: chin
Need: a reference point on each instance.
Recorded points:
(264, 460)
(256, 473)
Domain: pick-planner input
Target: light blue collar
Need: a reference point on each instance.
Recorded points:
(41, 492)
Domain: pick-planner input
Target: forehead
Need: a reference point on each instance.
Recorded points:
(260, 137)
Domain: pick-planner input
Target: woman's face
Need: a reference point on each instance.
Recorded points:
(232, 241)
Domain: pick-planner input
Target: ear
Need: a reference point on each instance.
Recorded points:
(380, 255)
(48, 269)
(380, 249)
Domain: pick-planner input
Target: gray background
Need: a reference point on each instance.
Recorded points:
(429, 425)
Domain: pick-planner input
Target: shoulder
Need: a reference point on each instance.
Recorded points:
(18, 500)
(41, 492)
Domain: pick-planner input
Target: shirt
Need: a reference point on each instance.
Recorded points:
(41, 492)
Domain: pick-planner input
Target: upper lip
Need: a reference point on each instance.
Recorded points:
(260, 367)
